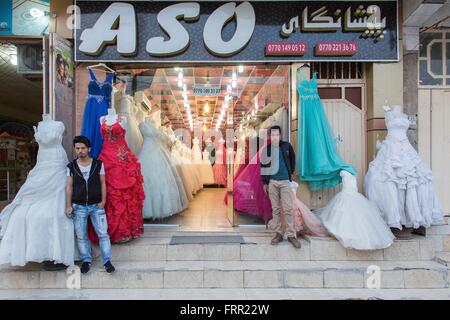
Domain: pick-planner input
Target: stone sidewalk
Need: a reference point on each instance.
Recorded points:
(226, 294)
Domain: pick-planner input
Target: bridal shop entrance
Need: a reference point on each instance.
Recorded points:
(196, 130)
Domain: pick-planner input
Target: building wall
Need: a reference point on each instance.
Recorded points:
(384, 86)
(60, 8)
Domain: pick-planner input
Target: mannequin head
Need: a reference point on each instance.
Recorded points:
(46, 117)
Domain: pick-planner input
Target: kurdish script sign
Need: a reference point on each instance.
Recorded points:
(237, 31)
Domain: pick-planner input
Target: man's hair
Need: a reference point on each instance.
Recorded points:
(275, 128)
(82, 139)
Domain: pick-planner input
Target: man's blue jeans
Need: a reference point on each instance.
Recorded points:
(100, 223)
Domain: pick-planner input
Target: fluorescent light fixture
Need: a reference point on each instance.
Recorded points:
(234, 83)
(13, 60)
(241, 68)
(36, 13)
(180, 83)
(207, 107)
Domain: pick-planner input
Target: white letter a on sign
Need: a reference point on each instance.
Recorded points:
(116, 25)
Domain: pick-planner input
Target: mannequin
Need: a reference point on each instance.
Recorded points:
(112, 117)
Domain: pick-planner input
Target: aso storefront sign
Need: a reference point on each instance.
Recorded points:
(237, 31)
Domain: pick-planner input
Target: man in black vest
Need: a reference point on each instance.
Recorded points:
(86, 196)
(277, 168)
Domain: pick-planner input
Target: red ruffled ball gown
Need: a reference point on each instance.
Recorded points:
(220, 166)
(124, 186)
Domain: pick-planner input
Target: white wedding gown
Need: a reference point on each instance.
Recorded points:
(34, 227)
(167, 145)
(207, 169)
(133, 136)
(183, 170)
(398, 181)
(162, 194)
(354, 220)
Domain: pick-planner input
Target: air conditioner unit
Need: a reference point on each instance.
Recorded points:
(29, 59)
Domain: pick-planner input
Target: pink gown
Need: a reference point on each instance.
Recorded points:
(220, 166)
(248, 193)
(305, 222)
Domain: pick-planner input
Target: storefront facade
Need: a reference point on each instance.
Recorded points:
(349, 44)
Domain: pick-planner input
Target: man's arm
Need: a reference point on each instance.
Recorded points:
(103, 185)
(69, 190)
(292, 158)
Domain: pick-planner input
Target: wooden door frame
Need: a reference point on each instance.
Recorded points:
(344, 83)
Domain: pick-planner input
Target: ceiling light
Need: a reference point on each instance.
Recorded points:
(204, 127)
(184, 87)
(241, 68)
(13, 60)
(207, 107)
(234, 83)
(256, 104)
(180, 83)
(180, 75)
(229, 89)
(36, 13)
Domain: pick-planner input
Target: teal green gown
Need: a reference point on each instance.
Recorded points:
(319, 159)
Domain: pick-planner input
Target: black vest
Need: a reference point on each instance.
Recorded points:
(86, 192)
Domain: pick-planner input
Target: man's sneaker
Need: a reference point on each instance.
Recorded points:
(109, 267)
(85, 267)
(277, 239)
(294, 241)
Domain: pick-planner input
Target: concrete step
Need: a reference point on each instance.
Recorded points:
(226, 294)
(441, 229)
(257, 247)
(443, 258)
(238, 274)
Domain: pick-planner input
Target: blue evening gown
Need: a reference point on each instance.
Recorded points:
(97, 104)
(320, 163)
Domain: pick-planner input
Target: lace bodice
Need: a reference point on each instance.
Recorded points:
(49, 134)
(308, 88)
(149, 131)
(112, 133)
(100, 90)
(348, 181)
(397, 124)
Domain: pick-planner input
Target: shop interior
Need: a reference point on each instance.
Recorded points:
(192, 107)
(21, 105)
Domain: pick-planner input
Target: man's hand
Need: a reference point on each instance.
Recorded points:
(101, 205)
(265, 186)
(69, 211)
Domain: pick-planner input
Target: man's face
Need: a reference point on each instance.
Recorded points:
(82, 150)
(275, 137)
